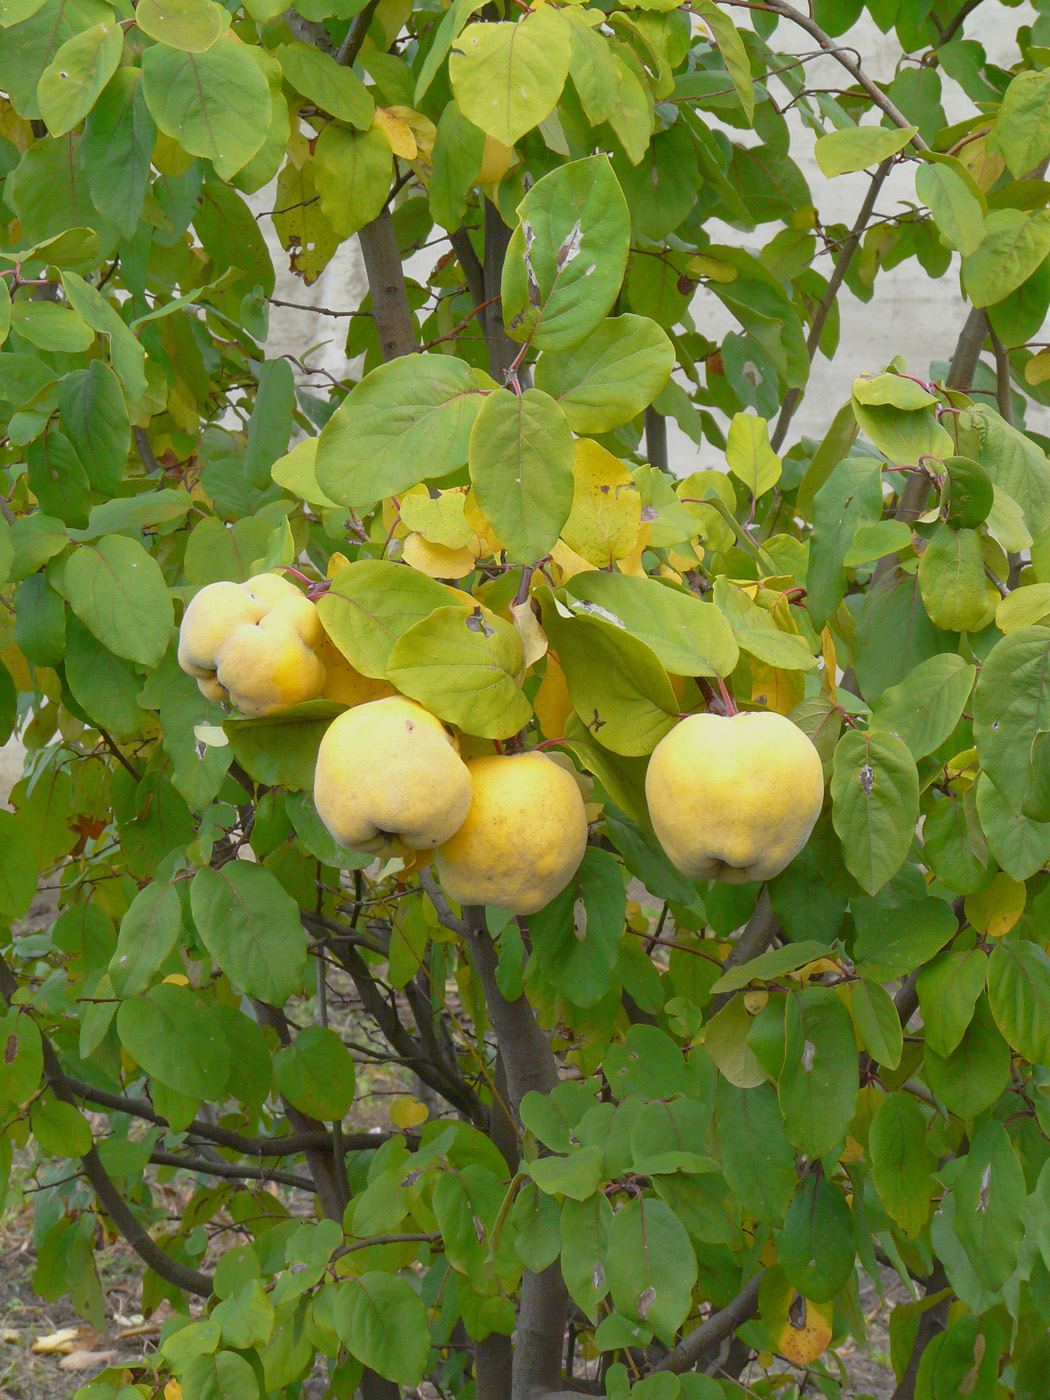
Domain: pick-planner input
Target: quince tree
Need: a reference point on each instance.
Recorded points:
(662, 831)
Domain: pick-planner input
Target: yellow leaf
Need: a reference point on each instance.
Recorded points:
(1023, 608)
(777, 690)
(961, 771)
(473, 515)
(398, 133)
(827, 672)
(408, 1113)
(552, 704)
(994, 911)
(806, 1332)
(336, 562)
(712, 268)
(1037, 370)
(173, 1391)
(436, 560)
(699, 488)
(177, 979)
(61, 1342)
(533, 637)
(632, 563)
(423, 130)
(440, 519)
(567, 563)
(606, 510)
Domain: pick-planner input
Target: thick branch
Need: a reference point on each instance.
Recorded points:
(957, 21)
(850, 244)
(207, 1166)
(356, 34)
(714, 1331)
(1004, 397)
(470, 263)
(656, 439)
(527, 1056)
(502, 349)
(932, 1321)
(386, 282)
(289, 1146)
(759, 931)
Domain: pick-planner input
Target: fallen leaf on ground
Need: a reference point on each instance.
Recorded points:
(84, 1360)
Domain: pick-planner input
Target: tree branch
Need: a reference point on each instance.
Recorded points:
(386, 282)
(470, 263)
(208, 1167)
(759, 931)
(502, 349)
(957, 21)
(656, 439)
(1004, 397)
(356, 34)
(714, 1331)
(785, 11)
(968, 350)
(850, 244)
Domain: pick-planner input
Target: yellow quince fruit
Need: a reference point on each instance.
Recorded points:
(523, 837)
(389, 771)
(734, 797)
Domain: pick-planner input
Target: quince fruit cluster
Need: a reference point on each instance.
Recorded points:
(260, 646)
(508, 830)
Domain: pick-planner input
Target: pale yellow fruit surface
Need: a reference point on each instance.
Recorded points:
(390, 770)
(270, 588)
(268, 668)
(523, 838)
(734, 798)
(343, 683)
(210, 617)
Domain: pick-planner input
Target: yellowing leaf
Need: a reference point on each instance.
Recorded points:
(336, 562)
(478, 522)
(439, 518)
(533, 638)
(62, 1342)
(436, 560)
(776, 690)
(177, 979)
(173, 1391)
(423, 130)
(552, 703)
(1023, 608)
(712, 268)
(567, 564)
(606, 510)
(749, 456)
(806, 1333)
(398, 133)
(1037, 370)
(994, 911)
(632, 563)
(827, 673)
(408, 1113)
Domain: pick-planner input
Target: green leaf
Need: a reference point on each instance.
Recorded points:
(768, 967)
(371, 603)
(57, 478)
(77, 74)
(989, 1199)
(903, 435)
(951, 580)
(222, 1376)
(857, 147)
(214, 104)
(60, 1129)
(972, 1077)
(577, 936)
(584, 1241)
(407, 421)
(22, 1061)
(1012, 461)
(850, 499)
(757, 633)
(117, 590)
(875, 792)
(104, 685)
(175, 1040)
(618, 687)
(247, 1317)
(689, 637)
(1013, 246)
(948, 988)
(193, 26)
(954, 204)
(576, 1176)
(815, 1247)
(148, 933)
(749, 455)
(506, 77)
(126, 354)
(452, 21)
(270, 425)
(566, 259)
(927, 705)
(51, 326)
(1022, 127)
(895, 934)
(461, 663)
(893, 634)
(964, 1360)
(901, 1162)
(1011, 707)
(818, 1084)
(251, 928)
(877, 1022)
(734, 54)
(381, 1320)
(1019, 844)
(329, 85)
(281, 750)
(611, 376)
(893, 390)
(757, 1159)
(521, 461)
(1019, 995)
(651, 1266)
(535, 1220)
(316, 1074)
(95, 419)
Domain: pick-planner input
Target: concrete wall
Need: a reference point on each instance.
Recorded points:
(910, 314)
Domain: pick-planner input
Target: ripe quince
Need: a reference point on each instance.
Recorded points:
(734, 797)
(389, 771)
(523, 838)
